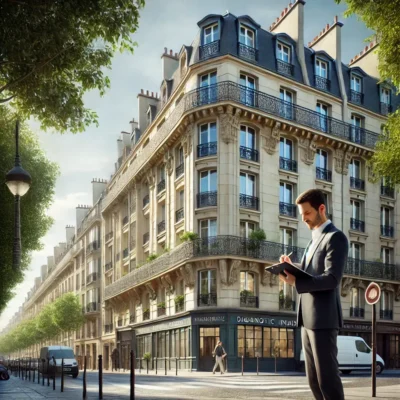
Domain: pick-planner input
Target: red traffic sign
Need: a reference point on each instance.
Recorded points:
(372, 293)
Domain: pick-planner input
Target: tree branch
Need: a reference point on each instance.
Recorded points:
(3, 101)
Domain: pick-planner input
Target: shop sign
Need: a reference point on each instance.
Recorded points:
(209, 319)
(357, 327)
(177, 323)
(267, 321)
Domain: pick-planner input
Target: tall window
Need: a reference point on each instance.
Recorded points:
(208, 288)
(357, 303)
(322, 159)
(355, 169)
(385, 216)
(386, 301)
(327, 205)
(282, 52)
(321, 69)
(246, 228)
(355, 83)
(247, 137)
(208, 181)
(247, 89)
(211, 34)
(180, 158)
(286, 193)
(207, 140)
(286, 148)
(355, 209)
(208, 88)
(287, 297)
(322, 109)
(247, 282)
(247, 184)
(286, 107)
(355, 257)
(355, 251)
(356, 132)
(385, 96)
(208, 228)
(246, 36)
(386, 255)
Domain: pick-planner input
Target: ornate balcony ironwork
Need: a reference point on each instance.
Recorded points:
(161, 227)
(372, 269)
(92, 307)
(287, 164)
(207, 199)
(246, 201)
(146, 200)
(322, 83)
(161, 311)
(207, 300)
(248, 301)
(387, 231)
(357, 225)
(357, 312)
(356, 97)
(386, 314)
(207, 149)
(288, 209)
(323, 174)
(146, 238)
(357, 183)
(179, 215)
(386, 108)
(209, 50)
(108, 266)
(125, 253)
(108, 328)
(248, 153)
(161, 186)
(387, 191)
(109, 236)
(146, 315)
(247, 52)
(284, 68)
(91, 278)
(286, 303)
(180, 169)
(125, 220)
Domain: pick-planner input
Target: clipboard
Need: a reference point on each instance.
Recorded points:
(277, 269)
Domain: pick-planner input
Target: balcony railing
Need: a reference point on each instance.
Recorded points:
(372, 269)
(287, 164)
(161, 311)
(356, 97)
(180, 169)
(284, 68)
(92, 307)
(322, 83)
(247, 52)
(108, 328)
(246, 201)
(386, 314)
(248, 301)
(146, 200)
(209, 50)
(357, 183)
(323, 174)
(207, 300)
(146, 315)
(357, 225)
(108, 266)
(91, 278)
(179, 215)
(125, 253)
(109, 236)
(161, 186)
(248, 153)
(125, 220)
(286, 303)
(387, 191)
(161, 227)
(207, 149)
(386, 108)
(357, 312)
(207, 199)
(146, 237)
(132, 319)
(387, 231)
(179, 307)
(93, 246)
(288, 209)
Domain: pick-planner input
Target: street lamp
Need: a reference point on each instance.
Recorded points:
(18, 181)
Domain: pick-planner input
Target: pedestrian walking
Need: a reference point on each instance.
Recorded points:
(319, 312)
(219, 354)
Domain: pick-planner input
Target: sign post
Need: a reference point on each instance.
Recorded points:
(372, 296)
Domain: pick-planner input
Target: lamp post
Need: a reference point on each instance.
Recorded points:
(18, 181)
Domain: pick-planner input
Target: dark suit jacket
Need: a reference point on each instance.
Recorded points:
(319, 304)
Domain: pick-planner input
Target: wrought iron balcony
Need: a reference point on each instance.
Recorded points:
(209, 50)
(93, 246)
(108, 328)
(386, 314)
(207, 199)
(250, 202)
(179, 170)
(92, 307)
(387, 231)
(179, 215)
(288, 209)
(179, 307)
(91, 278)
(161, 227)
(286, 303)
(161, 311)
(146, 200)
(125, 220)
(207, 94)
(161, 186)
(287, 164)
(132, 319)
(207, 149)
(146, 315)
(386, 108)
(387, 191)
(248, 153)
(247, 52)
(357, 225)
(356, 312)
(109, 236)
(322, 83)
(248, 301)
(108, 266)
(125, 253)
(146, 238)
(284, 68)
(372, 269)
(323, 174)
(357, 183)
(356, 97)
(207, 300)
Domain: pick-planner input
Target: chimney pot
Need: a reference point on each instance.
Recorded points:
(285, 10)
(335, 19)
(170, 52)
(282, 13)
(371, 45)
(141, 91)
(176, 55)
(165, 50)
(152, 94)
(147, 92)
(366, 48)
(327, 26)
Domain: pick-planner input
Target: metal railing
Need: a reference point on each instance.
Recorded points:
(357, 312)
(91, 278)
(180, 169)
(93, 246)
(92, 307)
(248, 153)
(385, 108)
(250, 202)
(287, 164)
(288, 209)
(209, 50)
(161, 227)
(356, 97)
(179, 215)
(387, 191)
(161, 311)
(207, 300)
(287, 303)
(179, 307)
(387, 231)
(284, 68)
(248, 301)
(146, 200)
(372, 269)
(386, 314)
(207, 199)
(357, 183)
(357, 225)
(207, 149)
(247, 52)
(322, 83)
(323, 174)
(146, 315)
(161, 186)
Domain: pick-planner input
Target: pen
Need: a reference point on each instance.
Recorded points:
(290, 254)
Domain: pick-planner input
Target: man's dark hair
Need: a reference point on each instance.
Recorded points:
(313, 196)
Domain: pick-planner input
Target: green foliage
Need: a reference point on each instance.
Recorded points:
(152, 257)
(56, 51)
(179, 300)
(186, 236)
(258, 234)
(383, 17)
(63, 315)
(147, 356)
(161, 305)
(34, 221)
(246, 293)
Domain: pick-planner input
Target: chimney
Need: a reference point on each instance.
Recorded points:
(98, 187)
(120, 147)
(62, 246)
(134, 124)
(43, 272)
(144, 101)
(57, 252)
(50, 262)
(170, 63)
(69, 233)
(367, 59)
(81, 212)
(291, 22)
(38, 281)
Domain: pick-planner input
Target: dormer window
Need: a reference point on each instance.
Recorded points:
(283, 52)
(211, 34)
(283, 59)
(356, 95)
(246, 36)
(321, 75)
(247, 43)
(386, 107)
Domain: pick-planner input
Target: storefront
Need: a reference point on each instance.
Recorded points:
(125, 340)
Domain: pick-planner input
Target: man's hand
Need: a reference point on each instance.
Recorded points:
(285, 258)
(289, 278)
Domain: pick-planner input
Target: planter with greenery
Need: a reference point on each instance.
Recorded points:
(255, 239)
(151, 257)
(188, 236)
(161, 305)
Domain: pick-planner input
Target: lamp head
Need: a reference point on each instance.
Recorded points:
(18, 181)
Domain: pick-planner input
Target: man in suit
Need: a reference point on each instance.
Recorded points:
(319, 312)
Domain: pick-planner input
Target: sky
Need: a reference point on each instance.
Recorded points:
(92, 154)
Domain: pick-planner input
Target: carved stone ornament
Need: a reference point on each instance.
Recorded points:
(342, 161)
(187, 138)
(233, 271)
(187, 272)
(308, 149)
(151, 291)
(229, 124)
(169, 162)
(270, 138)
(223, 271)
(267, 277)
(347, 284)
(166, 282)
(151, 179)
(138, 295)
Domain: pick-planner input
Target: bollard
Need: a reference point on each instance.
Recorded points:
(165, 364)
(48, 371)
(176, 360)
(84, 378)
(140, 365)
(62, 375)
(132, 393)
(54, 373)
(30, 365)
(100, 376)
(33, 376)
(242, 364)
(156, 364)
(147, 362)
(43, 372)
(38, 374)
(19, 368)
(257, 365)
(26, 370)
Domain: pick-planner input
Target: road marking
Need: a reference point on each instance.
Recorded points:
(152, 387)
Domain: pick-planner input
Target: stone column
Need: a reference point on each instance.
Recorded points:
(151, 180)
(170, 197)
(140, 228)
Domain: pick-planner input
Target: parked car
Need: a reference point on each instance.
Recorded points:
(354, 355)
(4, 376)
(59, 353)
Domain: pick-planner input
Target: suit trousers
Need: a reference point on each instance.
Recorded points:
(322, 368)
(219, 361)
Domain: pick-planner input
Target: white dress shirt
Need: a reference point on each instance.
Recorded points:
(316, 234)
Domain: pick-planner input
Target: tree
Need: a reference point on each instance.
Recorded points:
(53, 51)
(383, 17)
(34, 221)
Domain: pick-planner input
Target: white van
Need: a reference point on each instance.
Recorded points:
(354, 355)
(59, 353)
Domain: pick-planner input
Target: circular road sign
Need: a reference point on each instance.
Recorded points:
(372, 293)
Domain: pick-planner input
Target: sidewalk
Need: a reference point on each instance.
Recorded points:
(382, 392)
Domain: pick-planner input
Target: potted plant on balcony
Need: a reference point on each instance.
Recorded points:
(186, 236)
(254, 242)
(179, 302)
(161, 308)
(152, 257)
(244, 295)
(146, 313)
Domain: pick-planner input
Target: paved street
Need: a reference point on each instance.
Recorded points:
(199, 385)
